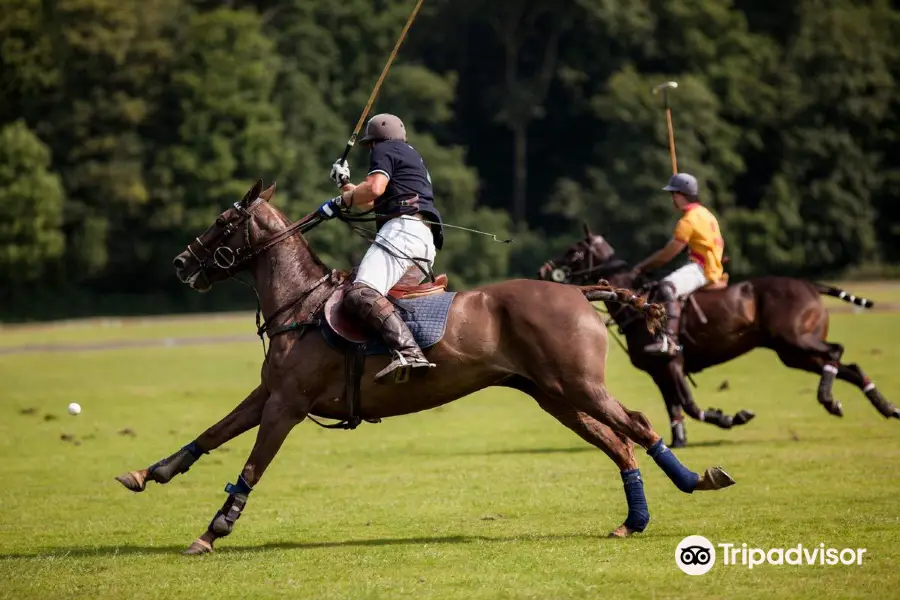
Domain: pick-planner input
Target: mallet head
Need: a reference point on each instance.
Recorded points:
(665, 86)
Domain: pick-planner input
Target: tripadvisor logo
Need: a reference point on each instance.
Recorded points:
(696, 555)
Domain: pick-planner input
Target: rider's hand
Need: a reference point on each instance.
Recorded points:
(330, 209)
(340, 173)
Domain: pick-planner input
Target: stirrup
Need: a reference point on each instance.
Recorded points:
(403, 369)
(666, 347)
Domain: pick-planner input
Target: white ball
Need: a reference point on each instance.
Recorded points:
(74, 408)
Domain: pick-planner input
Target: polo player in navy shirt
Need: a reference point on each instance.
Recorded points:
(398, 187)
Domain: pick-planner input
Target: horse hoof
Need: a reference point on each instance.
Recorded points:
(743, 417)
(622, 531)
(897, 413)
(198, 547)
(715, 478)
(136, 481)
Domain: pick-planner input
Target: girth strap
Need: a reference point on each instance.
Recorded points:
(354, 364)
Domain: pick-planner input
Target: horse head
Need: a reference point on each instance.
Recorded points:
(235, 238)
(584, 262)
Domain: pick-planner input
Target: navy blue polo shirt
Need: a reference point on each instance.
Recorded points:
(409, 187)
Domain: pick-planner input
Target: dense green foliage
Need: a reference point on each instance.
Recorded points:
(126, 125)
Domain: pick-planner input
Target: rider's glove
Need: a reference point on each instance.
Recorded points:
(330, 209)
(340, 173)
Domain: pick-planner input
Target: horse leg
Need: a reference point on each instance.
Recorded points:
(245, 416)
(618, 448)
(853, 374)
(816, 356)
(602, 406)
(679, 389)
(279, 417)
(674, 408)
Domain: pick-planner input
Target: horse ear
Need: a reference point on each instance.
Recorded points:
(267, 193)
(253, 193)
(587, 230)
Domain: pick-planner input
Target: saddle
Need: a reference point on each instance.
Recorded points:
(423, 306)
(710, 287)
(691, 299)
(406, 289)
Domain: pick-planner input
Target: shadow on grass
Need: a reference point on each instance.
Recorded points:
(577, 449)
(112, 551)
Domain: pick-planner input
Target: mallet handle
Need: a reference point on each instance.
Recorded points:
(671, 140)
(377, 87)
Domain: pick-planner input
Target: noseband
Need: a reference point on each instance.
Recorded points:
(565, 274)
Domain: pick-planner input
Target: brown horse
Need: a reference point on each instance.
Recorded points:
(541, 338)
(719, 324)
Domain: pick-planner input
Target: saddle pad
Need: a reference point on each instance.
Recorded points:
(426, 318)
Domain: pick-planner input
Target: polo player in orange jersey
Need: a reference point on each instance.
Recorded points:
(698, 230)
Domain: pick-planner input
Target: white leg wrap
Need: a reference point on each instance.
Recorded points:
(830, 369)
(869, 387)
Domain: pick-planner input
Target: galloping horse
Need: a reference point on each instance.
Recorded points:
(541, 338)
(719, 324)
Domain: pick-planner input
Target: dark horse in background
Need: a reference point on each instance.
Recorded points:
(541, 338)
(783, 314)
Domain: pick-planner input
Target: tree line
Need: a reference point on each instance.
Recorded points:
(126, 126)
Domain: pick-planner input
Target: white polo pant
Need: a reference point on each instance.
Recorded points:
(404, 236)
(687, 279)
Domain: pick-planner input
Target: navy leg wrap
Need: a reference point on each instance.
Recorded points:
(224, 521)
(179, 463)
(195, 450)
(683, 478)
(638, 513)
(241, 487)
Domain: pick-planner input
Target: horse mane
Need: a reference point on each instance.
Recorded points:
(287, 223)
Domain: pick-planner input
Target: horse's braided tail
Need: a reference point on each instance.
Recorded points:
(654, 314)
(843, 295)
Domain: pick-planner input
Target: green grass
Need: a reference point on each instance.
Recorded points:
(116, 329)
(485, 498)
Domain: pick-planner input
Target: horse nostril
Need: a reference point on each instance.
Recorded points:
(178, 262)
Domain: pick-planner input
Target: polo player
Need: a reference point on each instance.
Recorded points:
(398, 189)
(698, 229)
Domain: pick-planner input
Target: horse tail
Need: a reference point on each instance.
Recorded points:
(828, 290)
(655, 314)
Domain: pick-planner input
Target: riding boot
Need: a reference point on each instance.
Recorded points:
(666, 343)
(377, 313)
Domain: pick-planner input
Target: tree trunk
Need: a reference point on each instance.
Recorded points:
(520, 171)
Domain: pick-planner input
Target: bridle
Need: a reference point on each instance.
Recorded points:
(230, 260)
(565, 274)
(598, 266)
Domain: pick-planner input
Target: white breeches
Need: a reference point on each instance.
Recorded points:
(687, 279)
(403, 236)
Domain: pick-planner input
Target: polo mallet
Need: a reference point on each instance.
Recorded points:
(665, 87)
(387, 66)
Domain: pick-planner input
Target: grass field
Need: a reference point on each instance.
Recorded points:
(485, 498)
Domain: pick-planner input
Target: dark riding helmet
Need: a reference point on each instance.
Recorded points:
(684, 183)
(383, 127)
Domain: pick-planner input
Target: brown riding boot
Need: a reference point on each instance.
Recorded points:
(667, 343)
(377, 313)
